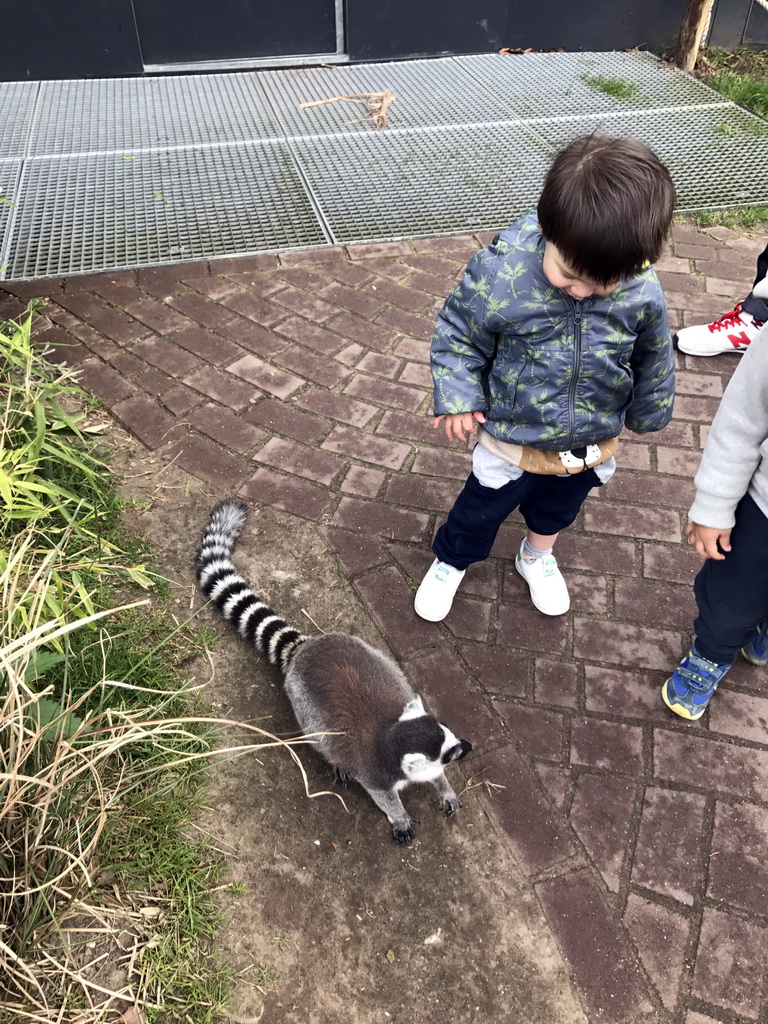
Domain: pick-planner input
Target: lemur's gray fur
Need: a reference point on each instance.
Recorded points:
(337, 683)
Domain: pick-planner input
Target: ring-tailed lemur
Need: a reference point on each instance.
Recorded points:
(337, 683)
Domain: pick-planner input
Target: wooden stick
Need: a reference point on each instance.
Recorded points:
(691, 32)
(376, 106)
(351, 96)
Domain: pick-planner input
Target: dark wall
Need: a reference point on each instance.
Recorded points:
(232, 29)
(404, 28)
(97, 38)
(737, 23)
(68, 39)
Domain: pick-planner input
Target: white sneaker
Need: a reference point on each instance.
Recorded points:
(731, 333)
(435, 595)
(548, 590)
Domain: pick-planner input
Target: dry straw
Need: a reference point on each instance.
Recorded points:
(61, 775)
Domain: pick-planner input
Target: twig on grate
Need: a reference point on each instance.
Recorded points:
(377, 104)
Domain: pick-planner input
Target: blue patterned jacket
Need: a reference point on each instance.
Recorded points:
(547, 370)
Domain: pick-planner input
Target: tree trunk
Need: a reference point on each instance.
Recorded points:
(691, 31)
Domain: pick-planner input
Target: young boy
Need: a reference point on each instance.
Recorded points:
(556, 337)
(728, 526)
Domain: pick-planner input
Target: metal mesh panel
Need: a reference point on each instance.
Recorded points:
(17, 103)
(9, 181)
(429, 92)
(541, 84)
(716, 157)
(419, 183)
(141, 113)
(171, 169)
(84, 213)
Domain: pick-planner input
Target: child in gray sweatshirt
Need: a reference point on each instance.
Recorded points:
(729, 527)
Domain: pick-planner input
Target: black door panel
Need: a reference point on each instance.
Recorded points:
(177, 31)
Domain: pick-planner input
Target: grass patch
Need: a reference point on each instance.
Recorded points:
(108, 897)
(58, 510)
(741, 76)
(743, 217)
(742, 89)
(618, 87)
(266, 975)
(168, 883)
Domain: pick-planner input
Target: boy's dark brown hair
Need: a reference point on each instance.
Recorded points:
(607, 205)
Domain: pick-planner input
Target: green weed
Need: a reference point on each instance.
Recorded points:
(147, 854)
(742, 217)
(58, 509)
(744, 90)
(740, 75)
(617, 87)
(103, 747)
(266, 975)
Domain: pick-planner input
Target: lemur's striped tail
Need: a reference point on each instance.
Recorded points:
(219, 580)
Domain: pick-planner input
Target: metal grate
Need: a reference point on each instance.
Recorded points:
(421, 183)
(429, 92)
(9, 181)
(90, 212)
(144, 113)
(17, 102)
(716, 157)
(135, 172)
(541, 84)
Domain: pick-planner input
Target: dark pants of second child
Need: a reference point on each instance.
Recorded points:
(758, 308)
(548, 505)
(732, 594)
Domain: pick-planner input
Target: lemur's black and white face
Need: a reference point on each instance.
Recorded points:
(433, 745)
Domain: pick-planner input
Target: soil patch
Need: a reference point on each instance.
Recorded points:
(356, 928)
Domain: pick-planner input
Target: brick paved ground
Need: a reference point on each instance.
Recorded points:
(303, 382)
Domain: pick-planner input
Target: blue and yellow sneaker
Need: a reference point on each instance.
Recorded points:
(756, 650)
(689, 688)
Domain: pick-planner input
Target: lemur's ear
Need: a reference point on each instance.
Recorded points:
(761, 288)
(413, 709)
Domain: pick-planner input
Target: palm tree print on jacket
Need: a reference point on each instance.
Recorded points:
(548, 370)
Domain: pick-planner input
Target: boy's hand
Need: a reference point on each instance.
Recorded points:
(705, 539)
(456, 423)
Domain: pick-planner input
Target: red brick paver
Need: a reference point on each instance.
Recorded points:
(301, 381)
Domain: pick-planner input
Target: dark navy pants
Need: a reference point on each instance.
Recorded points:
(548, 504)
(732, 594)
(758, 308)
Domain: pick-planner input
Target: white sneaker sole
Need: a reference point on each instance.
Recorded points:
(431, 617)
(537, 606)
(691, 350)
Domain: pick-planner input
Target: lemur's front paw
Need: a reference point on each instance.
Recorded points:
(340, 777)
(402, 833)
(450, 805)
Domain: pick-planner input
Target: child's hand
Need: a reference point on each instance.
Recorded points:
(456, 423)
(705, 539)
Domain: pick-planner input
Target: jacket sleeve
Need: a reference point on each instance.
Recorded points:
(736, 442)
(653, 369)
(464, 342)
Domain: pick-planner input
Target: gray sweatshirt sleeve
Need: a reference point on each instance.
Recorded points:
(735, 458)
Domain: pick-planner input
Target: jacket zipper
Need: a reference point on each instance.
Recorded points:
(577, 308)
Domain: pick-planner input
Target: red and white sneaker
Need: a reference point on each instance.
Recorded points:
(731, 333)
